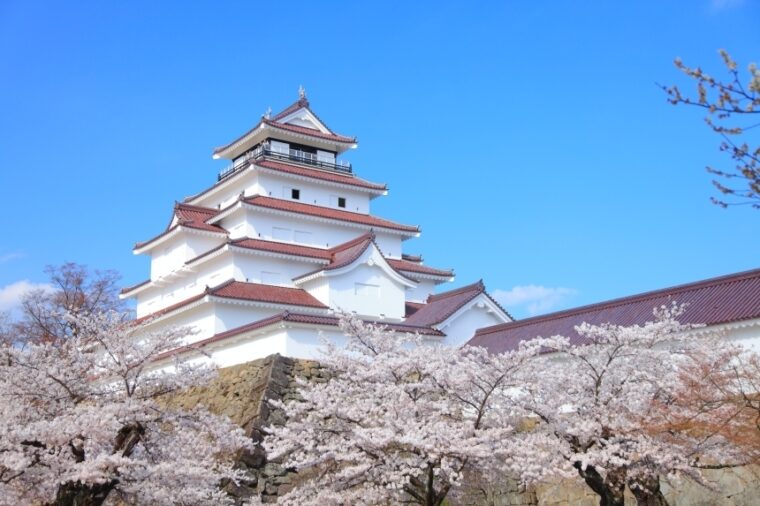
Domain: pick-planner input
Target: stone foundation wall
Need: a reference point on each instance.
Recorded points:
(242, 393)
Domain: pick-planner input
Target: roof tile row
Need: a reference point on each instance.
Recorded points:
(726, 299)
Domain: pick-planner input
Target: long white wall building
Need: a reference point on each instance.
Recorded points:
(259, 262)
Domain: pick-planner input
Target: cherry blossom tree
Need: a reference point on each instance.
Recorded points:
(604, 401)
(401, 421)
(732, 109)
(83, 421)
(718, 396)
(71, 289)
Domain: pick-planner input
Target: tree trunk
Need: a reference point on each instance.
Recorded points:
(647, 492)
(611, 490)
(81, 494)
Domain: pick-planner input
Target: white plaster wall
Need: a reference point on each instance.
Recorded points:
(319, 289)
(269, 270)
(463, 327)
(229, 315)
(247, 183)
(167, 256)
(236, 225)
(201, 319)
(212, 273)
(313, 193)
(323, 235)
(253, 348)
(172, 254)
(748, 336)
(368, 291)
(306, 343)
(420, 293)
(199, 244)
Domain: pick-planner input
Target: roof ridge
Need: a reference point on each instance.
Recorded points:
(224, 284)
(298, 104)
(194, 206)
(367, 236)
(456, 291)
(611, 303)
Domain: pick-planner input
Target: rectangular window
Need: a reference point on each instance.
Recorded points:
(367, 290)
(337, 201)
(295, 194)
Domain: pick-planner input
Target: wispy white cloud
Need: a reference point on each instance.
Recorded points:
(533, 299)
(10, 256)
(722, 5)
(10, 295)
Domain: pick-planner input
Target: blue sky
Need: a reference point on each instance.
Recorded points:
(527, 139)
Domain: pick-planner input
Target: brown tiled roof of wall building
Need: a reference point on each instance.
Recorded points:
(725, 299)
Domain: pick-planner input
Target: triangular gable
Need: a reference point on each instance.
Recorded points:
(305, 118)
(482, 300)
(353, 254)
(443, 308)
(300, 114)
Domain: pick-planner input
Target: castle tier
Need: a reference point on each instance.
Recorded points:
(259, 262)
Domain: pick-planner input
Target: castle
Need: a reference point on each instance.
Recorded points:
(260, 262)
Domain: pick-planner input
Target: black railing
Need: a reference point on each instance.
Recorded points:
(292, 155)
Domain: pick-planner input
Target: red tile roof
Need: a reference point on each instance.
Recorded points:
(408, 266)
(128, 289)
(302, 102)
(441, 306)
(289, 317)
(319, 174)
(309, 131)
(188, 216)
(240, 290)
(346, 253)
(715, 301)
(266, 293)
(326, 212)
(336, 257)
(196, 216)
(274, 122)
(412, 307)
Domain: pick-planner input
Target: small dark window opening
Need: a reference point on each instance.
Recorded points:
(295, 194)
(341, 201)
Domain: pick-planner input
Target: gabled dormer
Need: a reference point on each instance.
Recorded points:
(297, 133)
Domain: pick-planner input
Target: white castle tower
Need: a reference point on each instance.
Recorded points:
(259, 262)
